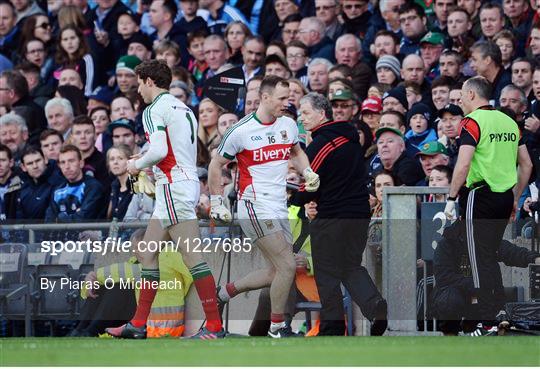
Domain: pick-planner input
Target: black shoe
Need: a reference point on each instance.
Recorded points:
(380, 322)
(283, 333)
(484, 330)
(127, 331)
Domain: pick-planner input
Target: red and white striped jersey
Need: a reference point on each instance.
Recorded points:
(262, 151)
(169, 114)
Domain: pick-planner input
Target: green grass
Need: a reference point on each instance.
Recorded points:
(354, 351)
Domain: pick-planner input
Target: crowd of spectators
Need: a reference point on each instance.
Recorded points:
(70, 113)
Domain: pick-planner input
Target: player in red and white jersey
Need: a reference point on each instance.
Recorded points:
(170, 128)
(263, 142)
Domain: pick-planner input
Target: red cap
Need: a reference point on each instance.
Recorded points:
(372, 104)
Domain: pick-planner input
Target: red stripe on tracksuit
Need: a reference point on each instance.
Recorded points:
(326, 150)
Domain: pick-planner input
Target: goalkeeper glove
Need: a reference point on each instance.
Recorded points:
(218, 211)
(312, 180)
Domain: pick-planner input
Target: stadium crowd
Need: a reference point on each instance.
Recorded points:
(71, 116)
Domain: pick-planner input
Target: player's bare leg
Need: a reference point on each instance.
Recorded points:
(187, 232)
(136, 327)
(279, 254)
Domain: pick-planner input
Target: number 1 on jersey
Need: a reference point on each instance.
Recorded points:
(192, 128)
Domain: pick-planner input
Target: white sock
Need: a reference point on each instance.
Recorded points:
(223, 294)
(275, 326)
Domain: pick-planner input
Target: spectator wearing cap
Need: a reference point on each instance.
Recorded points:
(328, 11)
(431, 154)
(311, 33)
(349, 52)
(395, 99)
(123, 132)
(252, 56)
(344, 105)
(450, 117)
(391, 149)
(419, 133)
(100, 97)
(486, 61)
(274, 65)
(126, 79)
(318, 75)
(140, 45)
(371, 113)
(13, 134)
(83, 136)
(413, 20)
(431, 47)
(388, 70)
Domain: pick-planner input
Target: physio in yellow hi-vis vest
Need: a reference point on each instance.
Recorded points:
(492, 169)
(167, 312)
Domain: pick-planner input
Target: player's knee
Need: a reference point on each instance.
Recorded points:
(288, 267)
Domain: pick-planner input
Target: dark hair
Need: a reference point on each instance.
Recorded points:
(98, 108)
(295, 17)
(75, 96)
(347, 82)
(343, 69)
(82, 120)
(50, 132)
(200, 33)
(412, 6)
(454, 53)
(249, 38)
(26, 67)
(492, 5)
(442, 81)
(299, 44)
(269, 84)
(532, 62)
(4, 148)
(29, 150)
(397, 114)
(62, 56)
(488, 48)
(28, 26)
(157, 71)
(16, 82)
(480, 85)
(456, 86)
(386, 172)
(444, 169)
(170, 7)
(24, 45)
(280, 45)
(69, 147)
(460, 10)
(387, 33)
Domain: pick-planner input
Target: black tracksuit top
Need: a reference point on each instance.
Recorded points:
(336, 155)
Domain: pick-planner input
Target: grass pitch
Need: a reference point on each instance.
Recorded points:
(319, 351)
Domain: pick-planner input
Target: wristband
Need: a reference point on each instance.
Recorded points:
(450, 198)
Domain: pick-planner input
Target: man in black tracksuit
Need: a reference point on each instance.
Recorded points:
(339, 232)
(454, 285)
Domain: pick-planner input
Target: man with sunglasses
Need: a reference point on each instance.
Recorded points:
(356, 17)
(344, 105)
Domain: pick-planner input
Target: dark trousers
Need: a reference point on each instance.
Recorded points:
(112, 307)
(486, 216)
(452, 309)
(337, 246)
